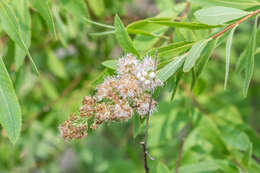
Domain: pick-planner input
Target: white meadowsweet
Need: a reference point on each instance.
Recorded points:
(127, 64)
(118, 97)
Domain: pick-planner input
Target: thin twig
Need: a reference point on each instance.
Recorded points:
(144, 143)
(179, 156)
(234, 24)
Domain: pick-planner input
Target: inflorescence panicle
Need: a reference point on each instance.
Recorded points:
(117, 98)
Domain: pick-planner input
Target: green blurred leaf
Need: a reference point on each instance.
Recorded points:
(162, 168)
(228, 49)
(77, 8)
(11, 26)
(206, 166)
(123, 38)
(97, 7)
(138, 125)
(56, 65)
(241, 4)
(112, 64)
(249, 65)
(218, 15)
(209, 131)
(23, 17)
(49, 88)
(194, 54)
(43, 8)
(10, 112)
(176, 84)
(193, 26)
(167, 71)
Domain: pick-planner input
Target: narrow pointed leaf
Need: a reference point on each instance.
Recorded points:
(10, 112)
(43, 8)
(205, 56)
(228, 49)
(166, 72)
(194, 54)
(249, 65)
(123, 38)
(241, 4)
(218, 15)
(194, 26)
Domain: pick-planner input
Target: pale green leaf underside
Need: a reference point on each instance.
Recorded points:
(166, 72)
(194, 54)
(228, 49)
(10, 112)
(218, 15)
(249, 64)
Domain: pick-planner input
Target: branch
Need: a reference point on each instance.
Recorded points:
(196, 102)
(234, 24)
(179, 156)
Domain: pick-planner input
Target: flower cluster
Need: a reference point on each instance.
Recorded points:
(118, 97)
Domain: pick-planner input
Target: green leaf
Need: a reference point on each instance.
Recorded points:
(241, 4)
(193, 26)
(162, 168)
(170, 51)
(206, 166)
(102, 33)
(56, 65)
(10, 112)
(176, 84)
(218, 15)
(12, 28)
(209, 131)
(205, 56)
(98, 24)
(43, 8)
(77, 8)
(249, 65)
(22, 12)
(248, 155)
(194, 54)
(97, 6)
(166, 72)
(123, 38)
(112, 64)
(142, 32)
(138, 125)
(228, 49)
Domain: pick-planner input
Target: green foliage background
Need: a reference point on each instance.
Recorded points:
(220, 128)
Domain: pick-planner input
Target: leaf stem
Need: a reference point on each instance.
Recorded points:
(234, 24)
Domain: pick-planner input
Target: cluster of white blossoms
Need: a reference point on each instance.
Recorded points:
(119, 96)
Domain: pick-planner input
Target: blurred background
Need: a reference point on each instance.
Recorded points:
(69, 65)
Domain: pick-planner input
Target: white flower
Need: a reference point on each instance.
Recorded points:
(152, 75)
